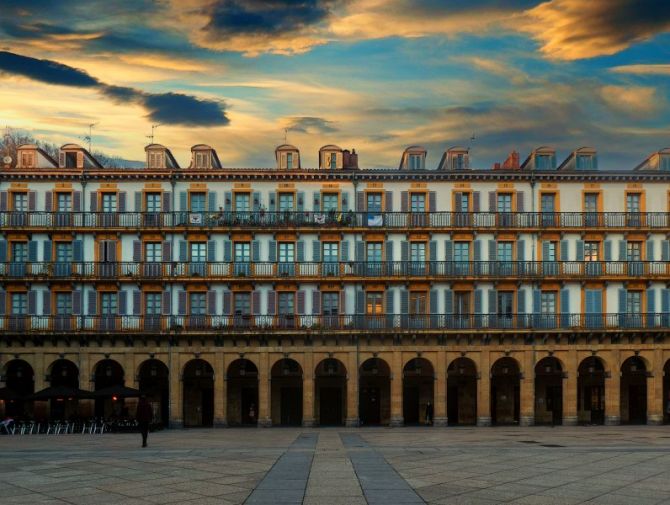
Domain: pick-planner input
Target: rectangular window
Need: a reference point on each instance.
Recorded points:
(286, 252)
(505, 306)
(373, 305)
(505, 251)
(286, 202)
(633, 203)
(585, 162)
(417, 302)
(548, 202)
(27, 160)
(458, 162)
(63, 252)
(63, 202)
(286, 304)
(289, 160)
(550, 251)
(198, 252)
(634, 251)
(415, 161)
(330, 304)
(417, 251)
(462, 303)
(153, 252)
(63, 304)
(19, 252)
(152, 202)
(591, 251)
(461, 257)
(331, 252)
(664, 162)
(198, 304)
(109, 304)
(20, 202)
(465, 203)
(242, 202)
(198, 202)
(374, 202)
(543, 162)
(548, 302)
(242, 252)
(418, 202)
(591, 202)
(333, 161)
(153, 304)
(201, 160)
(634, 303)
(504, 202)
(374, 251)
(242, 304)
(19, 304)
(109, 202)
(329, 202)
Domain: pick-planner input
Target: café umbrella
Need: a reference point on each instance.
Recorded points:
(59, 392)
(117, 392)
(9, 395)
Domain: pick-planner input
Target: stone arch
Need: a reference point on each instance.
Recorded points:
(374, 388)
(198, 393)
(418, 381)
(633, 388)
(154, 382)
(19, 378)
(242, 392)
(330, 392)
(591, 374)
(108, 373)
(505, 391)
(462, 392)
(287, 392)
(549, 391)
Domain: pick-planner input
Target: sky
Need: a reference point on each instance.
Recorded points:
(372, 75)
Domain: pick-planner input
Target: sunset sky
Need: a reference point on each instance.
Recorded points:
(372, 75)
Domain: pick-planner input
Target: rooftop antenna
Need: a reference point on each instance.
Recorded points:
(153, 132)
(88, 138)
(472, 139)
(286, 135)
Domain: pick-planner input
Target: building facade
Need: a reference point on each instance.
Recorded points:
(531, 293)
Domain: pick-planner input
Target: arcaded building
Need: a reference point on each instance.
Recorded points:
(529, 293)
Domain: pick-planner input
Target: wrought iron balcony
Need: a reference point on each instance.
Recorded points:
(440, 323)
(184, 220)
(352, 270)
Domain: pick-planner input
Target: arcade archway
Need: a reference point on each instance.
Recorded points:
(462, 392)
(154, 382)
(634, 391)
(19, 380)
(418, 380)
(198, 394)
(242, 383)
(330, 392)
(505, 389)
(286, 393)
(374, 392)
(591, 391)
(108, 373)
(63, 373)
(549, 392)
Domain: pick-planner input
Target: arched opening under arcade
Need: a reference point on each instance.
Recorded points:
(418, 381)
(549, 391)
(286, 393)
(462, 392)
(505, 389)
(64, 373)
(591, 391)
(242, 395)
(109, 373)
(154, 382)
(633, 391)
(374, 400)
(330, 392)
(198, 394)
(20, 382)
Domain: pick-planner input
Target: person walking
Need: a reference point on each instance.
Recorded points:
(143, 416)
(429, 414)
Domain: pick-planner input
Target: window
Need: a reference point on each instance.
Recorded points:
(286, 202)
(198, 304)
(504, 202)
(633, 202)
(417, 302)
(548, 202)
(415, 161)
(153, 202)
(374, 202)
(198, 202)
(417, 251)
(63, 252)
(198, 251)
(591, 202)
(505, 251)
(333, 161)
(19, 304)
(201, 160)
(330, 304)
(462, 303)
(330, 252)
(418, 202)
(330, 202)
(286, 252)
(152, 302)
(664, 162)
(634, 251)
(374, 251)
(109, 304)
(242, 304)
(633, 302)
(20, 202)
(109, 202)
(373, 305)
(19, 252)
(242, 202)
(505, 306)
(63, 304)
(153, 252)
(156, 160)
(63, 202)
(242, 252)
(286, 304)
(458, 162)
(70, 160)
(289, 160)
(585, 162)
(549, 251)
(461, 257)
(591, 251)
(548, 302)
(27, 160)
(543, 161)
(464, 205)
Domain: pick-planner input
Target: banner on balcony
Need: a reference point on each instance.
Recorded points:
(195, 219)
(320, 218)
(375, 220)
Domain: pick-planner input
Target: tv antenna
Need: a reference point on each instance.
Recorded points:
(472, 140)
(88, 138)
(153, 132)
(286, 135)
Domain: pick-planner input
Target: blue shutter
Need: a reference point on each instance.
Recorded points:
(255, 250)
(227, 251)
(227, 201)
(167, 303)
(478, 250)
(432, 295)
(183, 201)
(623, 316)
(181, 302)
(389, 251)
(404, 251)
(301, 201)
(211, 201)
(432, 250)
(580, 250)
(167, 201)
(651, 307)
(665, 307)
(537, 309)
(32, 251)
(521, 250)
(521, 301)
(316, 302)
(565, 308)
(183, 250)
(404, 304)
(622, 250)
(123, 303)
(137, 302)
(137, 250)
(360, 301)
(449, 308)
(272, 252)
(272, 302)
(32, 302)
(360, 251)
(256, 203)
(665, 250)
(608, 250)
(448, 250)
(77, 250)
(228, 302)
(76, 303)
(301, 251)
(316, 251)
(273, 201)
(3, 250)
(47, 250)
(493, 309)
(492, 250)
(545, 251)
(167, 251)
(316, 205)
(345, 201)
(211, 301)
(493, 207)
(92, 303)
(390, 309)
(211, 251)
(138, 201)
(478, 307)
(650, 250)
(122, 201)
(565, 250)
(360, 202)
(344, 250)
(46, 303)
(300, 302)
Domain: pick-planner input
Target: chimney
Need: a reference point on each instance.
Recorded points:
(345, 158)
(512, 161)
(496, 166)
(353, 159)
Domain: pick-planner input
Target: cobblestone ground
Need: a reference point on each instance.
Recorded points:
(607, 465)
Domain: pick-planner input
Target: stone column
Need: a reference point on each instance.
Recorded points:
(570, 377)
(527, 390)
(396, 390)
(655, 389)
(352, 390)
(264, 411)
(176, 394)
(613, 391)
(308, 391)
(484, 390)
(440, 418)
(83, 361)
(220, 396)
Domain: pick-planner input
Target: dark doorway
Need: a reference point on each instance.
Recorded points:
(20, 379)
(418, 385)
(462, 392)
(505, 388)
(634, 391)
(155, 384)
(198, 396)
(374, 404)
(242, 382)
(109, 373)
(331, 387)
(548, 392)
(591, 391)
(287, 393)
(66, 374)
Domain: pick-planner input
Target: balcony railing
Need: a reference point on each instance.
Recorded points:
(384, 322)
(89, 270)
(294, 219)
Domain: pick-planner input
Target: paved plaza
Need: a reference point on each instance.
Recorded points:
(545, 466)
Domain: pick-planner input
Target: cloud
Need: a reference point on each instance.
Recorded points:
(632, 100)
(175, 108)
(576, 29)
(643, 69)
(307, 124)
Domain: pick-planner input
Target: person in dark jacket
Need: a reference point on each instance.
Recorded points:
(429, 413)
(143, 417)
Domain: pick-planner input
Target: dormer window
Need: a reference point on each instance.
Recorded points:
(333, 161)
(27, 160)
(289, 161)
(458, 162)
(415, 162)
(71, 160)
(664, 163)
(585, 162)
(201, 160)
(156, 160)
(543, 162)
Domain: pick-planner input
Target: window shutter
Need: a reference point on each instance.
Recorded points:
(255, 250)
(390, 301)
(78, 250)
(665, 307)
(521, 250)
(227, 303)
(492, 201)
(32, 200)
(300, 251)
(650, 250)
(137, 302)
(537, 302)
(92, 303)
(360, 201)
(256, 201)
(48, 201)
(183, 250)
(492, 250)
(448, 250)
(478, 301)
(167, 201)
(433, 250)
(272, 302)
(93, 204)
(3, 302)
(343, 302)
(181, 302)
(167, 303)
(76, 302)
(519, 201)
(651, 307)
(432, 201)
(477, 250)
(4, 199)
(665, 250)
(344, 250)
(580, 250)
(389, 251)
(404, 201)
(316, 201)
(46, 303)
(227, 251)
(360, 301)
(123, 303)
(46, 256)
(301, 302)
(122, 201)
(273, 201)
(565, 308)
(256, 302)
(345, 201)
(183, 201)
(316, 251)
(228, 201)
(76, 201)
(137, 250)
(608, 250)
(360, 251)
(475, 201)
(622, 302)
(493, 295)
(521, 301)
(211, 302)
(211, 201)
(32, 251)
(545, 251)
(32, 302)
(622, 250)
(564, 250)
(448, 301)
(301, 201)
(404, 251)
(272, 252)
(388, 204)
(316, 302)
(138, 201)
(404, 302)
(433, 301)
(167, 251)
(211, 251)
(111, 250)
(457, 201)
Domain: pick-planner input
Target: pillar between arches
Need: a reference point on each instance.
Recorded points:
(396, 390)
(440, 418)
(264, 418)
(484, 390)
